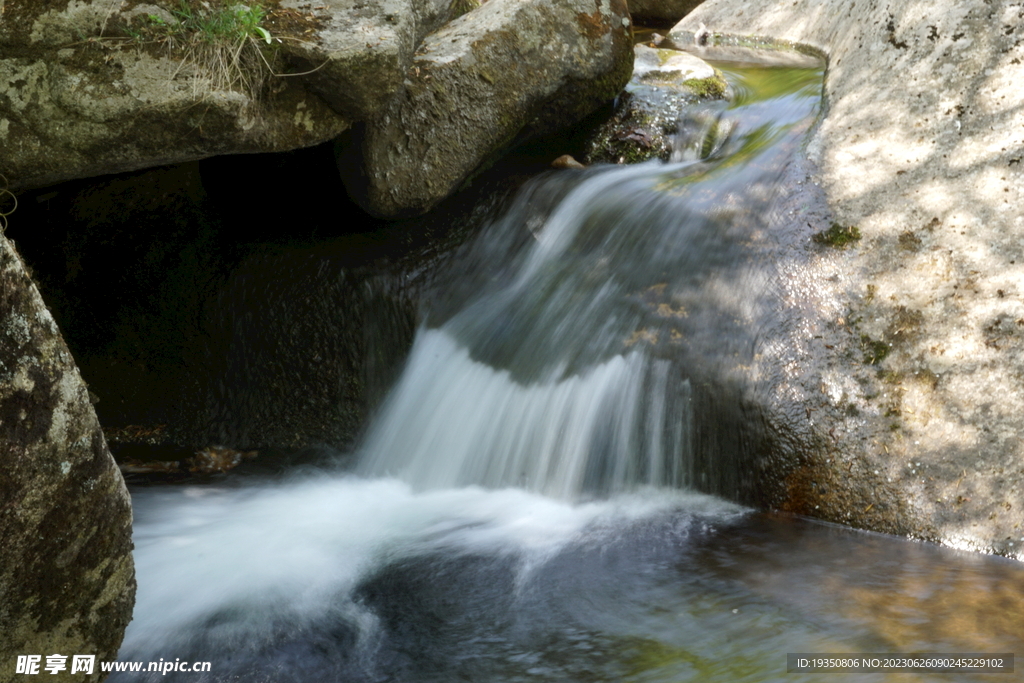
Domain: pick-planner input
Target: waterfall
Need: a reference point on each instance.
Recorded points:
(600, 431)
(583, 335)
(522, 500)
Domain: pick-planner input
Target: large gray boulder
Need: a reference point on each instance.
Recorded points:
(79, 96)
(78, 99)
(67, 581)
(909, 365)
(60, 120)
(508, 69)
(362, 50)
(91, 87)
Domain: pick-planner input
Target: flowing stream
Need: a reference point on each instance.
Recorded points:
(523, 507)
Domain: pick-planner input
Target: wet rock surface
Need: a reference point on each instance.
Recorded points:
(67, 579)
(908, 363)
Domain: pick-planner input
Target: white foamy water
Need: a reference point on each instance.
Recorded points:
(453, 421)
(299, 549)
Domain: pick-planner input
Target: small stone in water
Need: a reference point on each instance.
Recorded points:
(566, 161)
(215, 459)
(140, 467)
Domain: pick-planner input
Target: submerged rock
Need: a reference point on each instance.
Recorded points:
(657, 103)
(906, 379)
(669, 66)
(218, 459)
(67, 582)
(508, 70)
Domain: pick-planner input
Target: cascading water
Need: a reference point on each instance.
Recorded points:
(564, 359)
(522, 508)
(561, 437)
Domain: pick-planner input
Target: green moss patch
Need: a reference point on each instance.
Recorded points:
(460, 7)
(838, 236)
(711, 88)
(875, 351)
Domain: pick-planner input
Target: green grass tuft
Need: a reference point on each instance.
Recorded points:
(222, 46)
(225, 24)
(459, 7)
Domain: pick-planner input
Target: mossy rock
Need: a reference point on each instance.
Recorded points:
(711, 88)
(632, 135)
(67, 580)
(648, 114)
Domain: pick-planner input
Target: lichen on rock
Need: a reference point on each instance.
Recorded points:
(67, 581)
(506, 71)
(82, 95)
